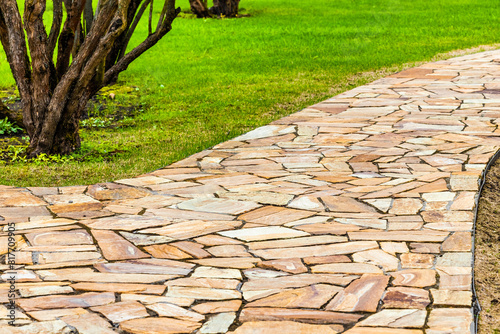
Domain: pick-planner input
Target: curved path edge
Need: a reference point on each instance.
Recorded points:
(355, 215)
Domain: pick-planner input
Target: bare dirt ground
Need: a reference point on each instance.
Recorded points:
(487, 255)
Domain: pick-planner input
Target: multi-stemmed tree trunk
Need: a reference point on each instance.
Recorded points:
(91, 52)
(226, 8)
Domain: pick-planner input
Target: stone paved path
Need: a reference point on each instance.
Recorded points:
(351, 216)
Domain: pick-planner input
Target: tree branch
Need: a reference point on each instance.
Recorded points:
(57, 14)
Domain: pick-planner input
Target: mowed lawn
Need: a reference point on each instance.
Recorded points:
(210, 80)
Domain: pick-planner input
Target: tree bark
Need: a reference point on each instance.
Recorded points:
(199, 8)
(226, 8)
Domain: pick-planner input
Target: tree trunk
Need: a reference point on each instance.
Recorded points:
(199, 8)
(66, 138)
(226, 8)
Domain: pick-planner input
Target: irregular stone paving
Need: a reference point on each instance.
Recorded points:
(351, 216)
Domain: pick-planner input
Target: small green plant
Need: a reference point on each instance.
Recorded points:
(95, 122)
(7, 128)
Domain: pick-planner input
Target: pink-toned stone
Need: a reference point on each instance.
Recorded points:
(218, 307)
(405, 206)
(75, 237)
(274, 215)
(313, 296)
(114, 247)
(449, 320)
(272, 327)
(396, 318)
(417, 261)
(63, 301)
(121, 311)
(362, 295)
(411, 298)
(382, 330)
(346, 204)
(294, 266)
(458, 242)
(451, 297)
(89, 323)
(301, 315)
(159, 325)
(414, 278)
(120, 288)
(193, 228)
(174, 311)
(166, 251)
(421, 247)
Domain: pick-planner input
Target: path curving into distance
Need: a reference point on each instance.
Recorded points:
(354, 215)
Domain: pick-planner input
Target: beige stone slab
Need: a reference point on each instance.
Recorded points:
(424, 236)
(146, 266)
(121, 311)
(79, 276)
(273, 215)
(202, 293)
(271, 327)
(362, 295)
(300, 315)
(218, 205)
(89, 323)
(458, 242)
(148, 299)
(120, 288)
(451, 297)
(205, 282)
(313, 296)
(396, 318)
(414, 278)
(159, 325)
(63, 301)
(48, 315)
(449, 320)
(347, 268)
(218, 307)
(380, 330)
(295, 281)
(229, 262)
(174, 311)
(294, 266)
(31, 291)
(322, 250)
(264, 233)
(193, 228)
(75, 237)
(297, 242)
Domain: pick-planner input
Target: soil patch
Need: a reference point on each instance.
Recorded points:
(487, 253)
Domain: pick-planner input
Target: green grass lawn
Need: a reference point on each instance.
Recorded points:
(210, 80)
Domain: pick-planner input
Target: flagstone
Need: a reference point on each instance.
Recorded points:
(451, 297)
(381, 204)
(154, 266)
(204, 282)
(48, 315)
(218, 323)
(454, 282)
(394, 247)
(149, 299)
(313, 296)
(216, 272)
(44, 327)
(406, 298)
(294, 266)
(273, 215)
(320, 250)
(262, 273)
(264, 233)
(145, 240)
(20, 276)
(64, 301)
(121, 311)
(174, 311)
(120, 287)
(417, 261)
(326, 259)
(296, 281)
(217, 205)
(362, 295)
(192, 248)
(464, 201)
(295, 242)
(193, 228)
(448, 320)
(346, 204)
(414, 278)
(114, 247)
(306, 203)
(419, 247)
(24, 212)
(371, 223)
(160, 325)
(377, 257)
(464, 181)
(217, 307)
(31, 291)
(425, 236)
(166, 252)
(229, 262)
(301, 315)
(396, 318)
(201, 293)
(75, 237)
(216, 240)
(454, 260)
(78, 275)
(382, 330)
(458, 242)
(405, 206)
(347, 268)
(272, 327)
